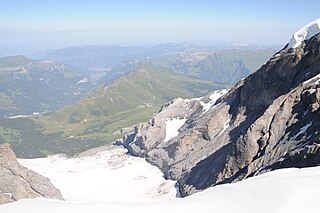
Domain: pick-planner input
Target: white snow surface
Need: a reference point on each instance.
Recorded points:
(172, 127)
(305, 33)
(108, 176)
(281, 191)
(213, 98)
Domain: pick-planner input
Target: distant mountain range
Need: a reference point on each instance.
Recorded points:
(106, 63)
(28, 86)
(223, 66)
(103, 116)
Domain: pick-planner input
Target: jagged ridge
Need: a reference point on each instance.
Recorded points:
(268, 121)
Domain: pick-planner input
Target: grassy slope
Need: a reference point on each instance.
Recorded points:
(94, 120)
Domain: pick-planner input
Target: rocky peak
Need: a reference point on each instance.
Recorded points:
(267, 121)
(17, 182)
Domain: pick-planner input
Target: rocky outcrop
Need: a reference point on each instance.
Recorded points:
(154, 131)
(269, 120)
(17, 182)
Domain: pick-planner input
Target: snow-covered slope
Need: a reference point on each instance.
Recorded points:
(281, 191)
(305, 33)
(110, 175)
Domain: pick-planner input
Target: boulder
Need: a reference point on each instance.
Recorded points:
(17, 182)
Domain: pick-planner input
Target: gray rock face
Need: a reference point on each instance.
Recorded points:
(267, 121)
(17, 182)
(154, 131)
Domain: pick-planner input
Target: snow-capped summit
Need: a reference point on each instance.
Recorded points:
(305, 33)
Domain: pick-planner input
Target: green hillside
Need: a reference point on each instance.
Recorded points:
(105, 115)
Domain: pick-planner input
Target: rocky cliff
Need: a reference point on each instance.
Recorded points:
(269, 120)
(17, 182)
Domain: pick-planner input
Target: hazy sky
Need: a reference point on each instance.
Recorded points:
(58, 23)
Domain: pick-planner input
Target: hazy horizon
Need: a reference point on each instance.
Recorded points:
(34, 25)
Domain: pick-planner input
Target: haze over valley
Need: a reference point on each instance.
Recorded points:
(165, 106)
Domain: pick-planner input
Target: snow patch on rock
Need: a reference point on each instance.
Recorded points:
(172, 127)
(301, 131)
(226, 125)
(315, 80)
(305, 33)
(213, 98)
